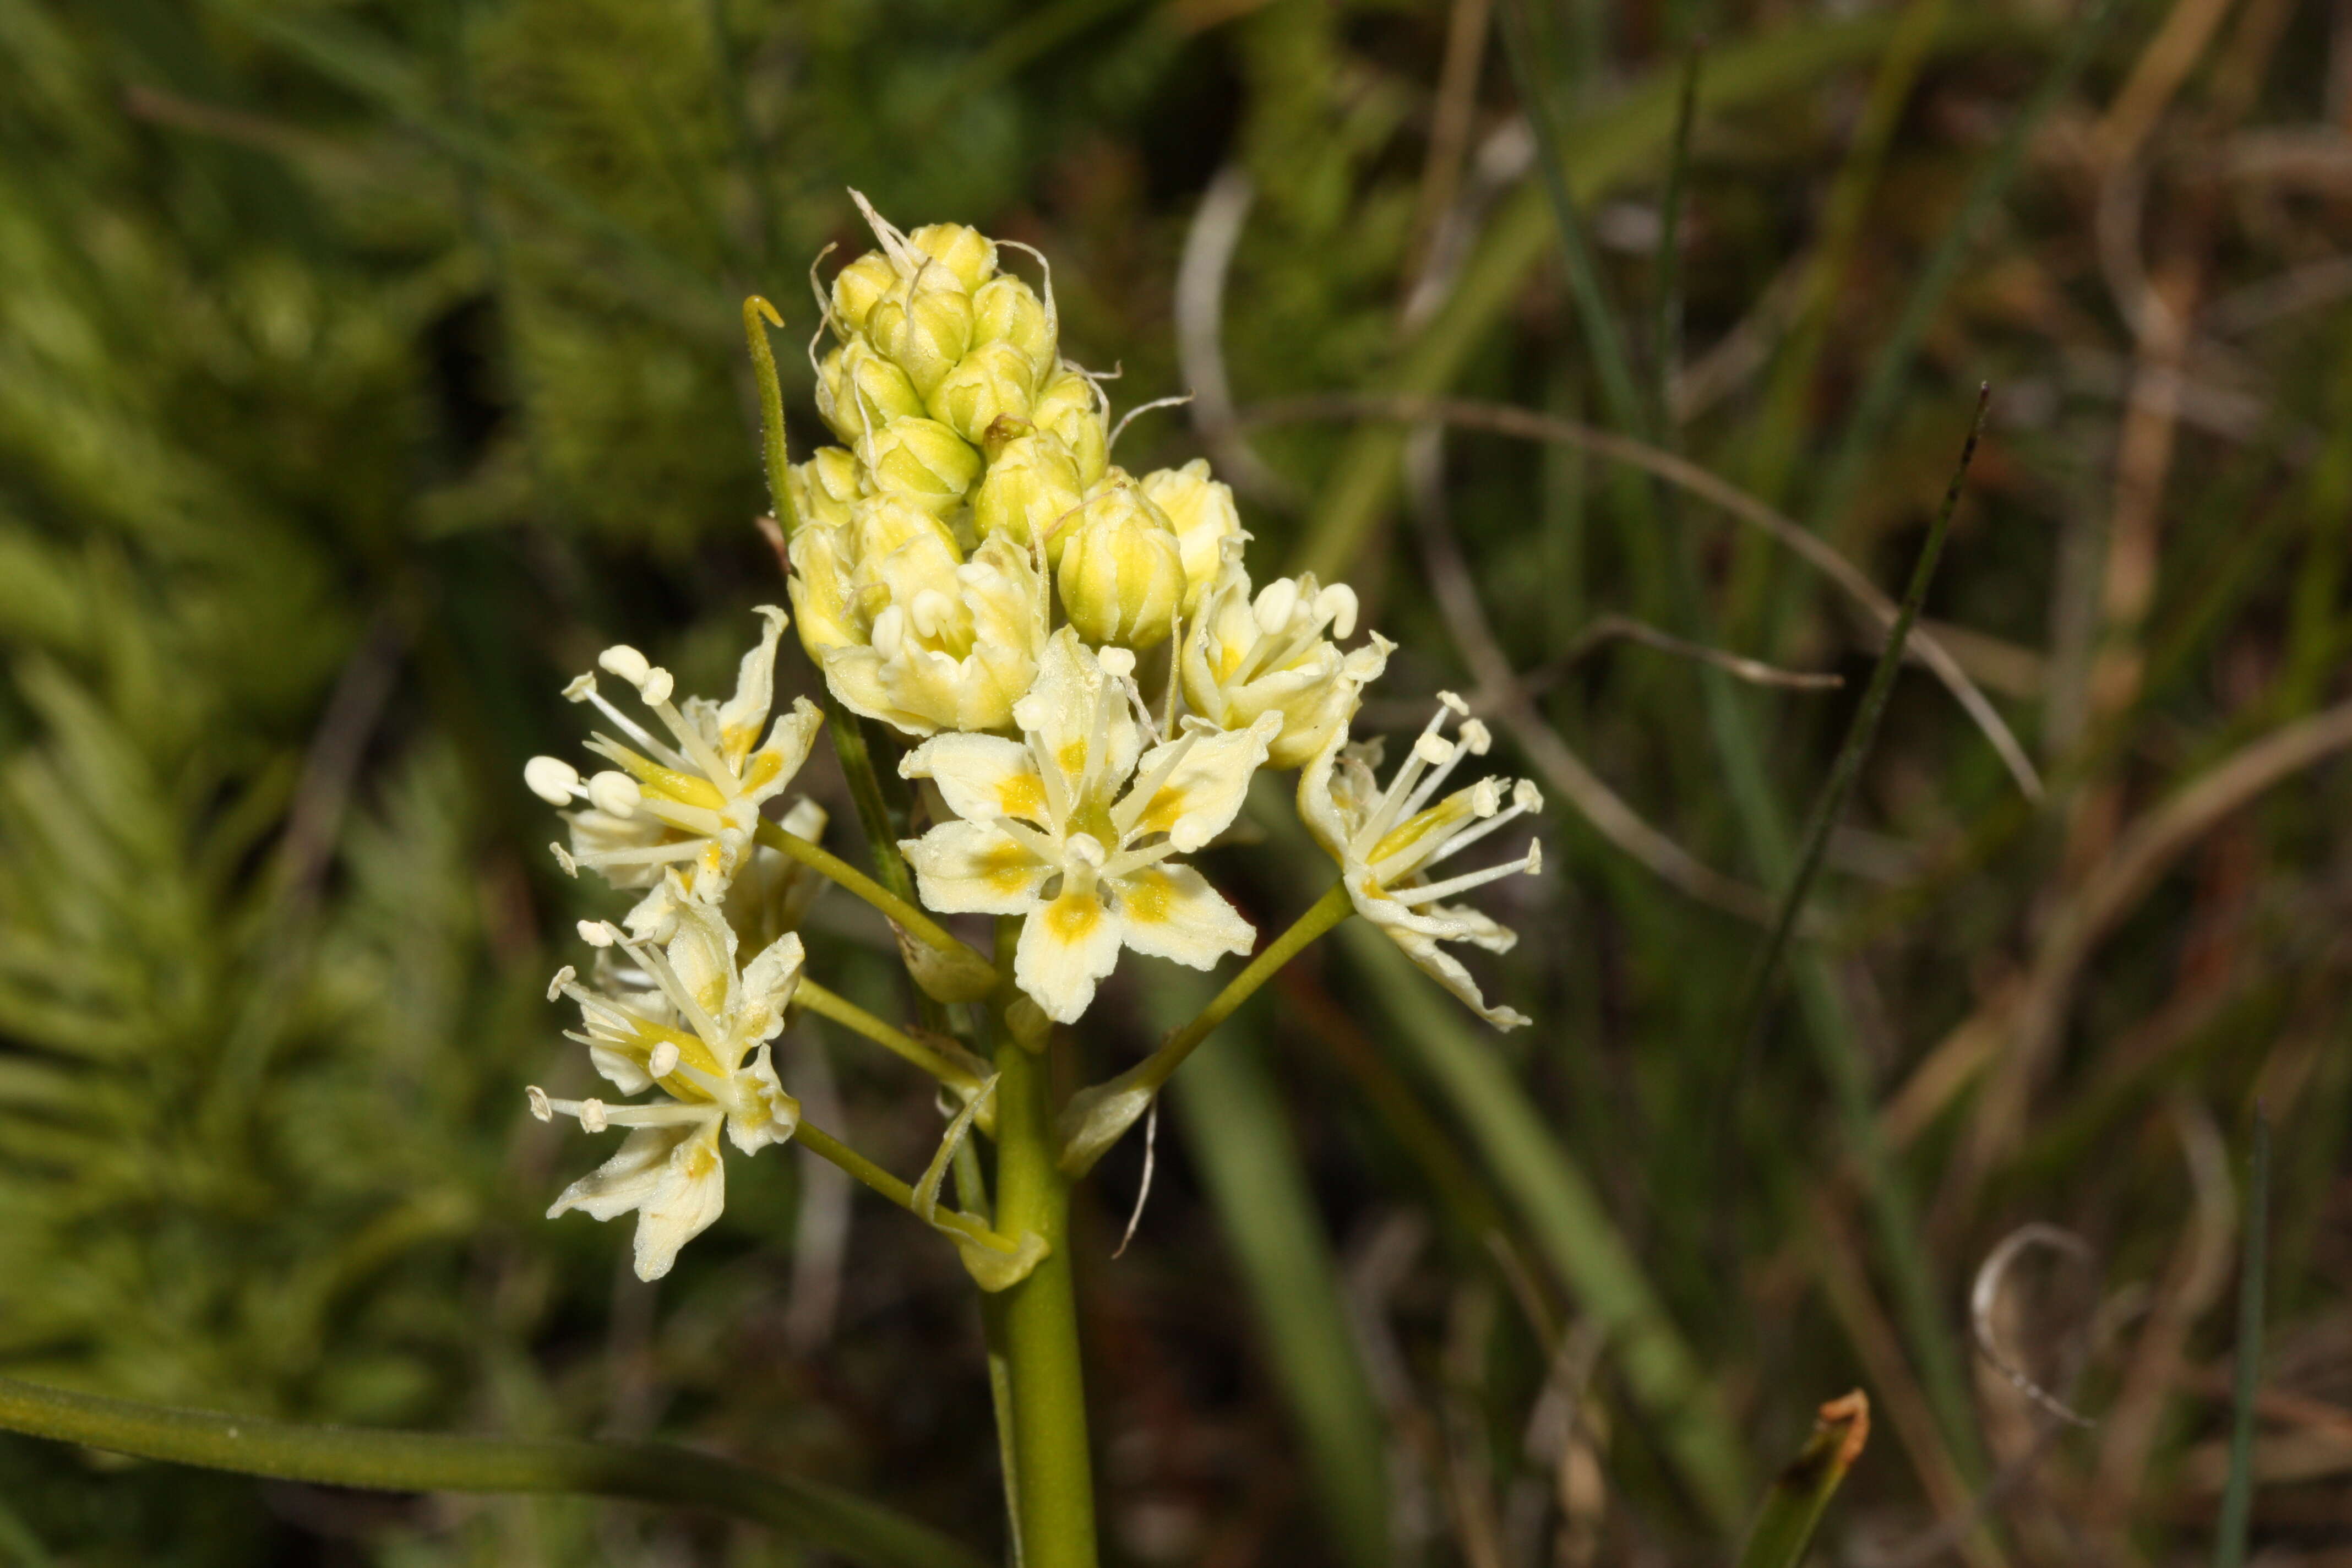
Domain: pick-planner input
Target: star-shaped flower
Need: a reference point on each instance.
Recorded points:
(1246, 654)
(703, 1039)
(689, 804)
(1044, 830)
(1386, 841)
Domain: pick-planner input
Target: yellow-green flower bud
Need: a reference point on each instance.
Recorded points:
(1068, 405)
(924, 325)
(961, 249)
(859, 287)
(823, 489)
(857, 390)
(1032, 484)
(993, 381)
(1122, 577)
(921, 461)
(1004, 310)
(1202, 512)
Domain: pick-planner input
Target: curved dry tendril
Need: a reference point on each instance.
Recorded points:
(1985, 1295)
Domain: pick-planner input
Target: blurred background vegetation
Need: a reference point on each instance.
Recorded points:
(366, 366)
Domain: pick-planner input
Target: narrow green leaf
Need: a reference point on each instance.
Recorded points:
(1566, 1222)
(1793, 1507)
(820, 1515)
(1239, 1137)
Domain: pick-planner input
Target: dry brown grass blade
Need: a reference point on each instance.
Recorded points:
(2141, 854)
(1506, 420)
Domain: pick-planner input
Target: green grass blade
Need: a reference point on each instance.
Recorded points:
(1566, 1222)
(1874, 406)
(1598, 154)
(1800, 1495)
(432, 1462)
(2238, 1495)
(1239, 1137)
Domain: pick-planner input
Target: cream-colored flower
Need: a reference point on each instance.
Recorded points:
(1044, 831)
(705, 1047)
(1201, 512)
(691, 804)
(908, 631)
(1244, 658)
(1386, 841)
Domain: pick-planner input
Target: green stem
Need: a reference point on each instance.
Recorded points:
(815, 1514)
(1054, 1516)
(1096, 1118)
(832, 1151)
(850, 1016)
(897, 907)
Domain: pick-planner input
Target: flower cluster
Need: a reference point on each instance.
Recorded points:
(1084, 675)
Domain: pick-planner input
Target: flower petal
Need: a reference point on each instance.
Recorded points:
(1066, 947)
(970, 868)
(1200, 797)
(1170, 911)
(1446, 970)
(981, 777)
(1060, 710)
(672, 1176)
(738, 720)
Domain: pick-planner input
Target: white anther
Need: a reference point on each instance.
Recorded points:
(591, 1116)
(1118, 663)
(582, 687)
(662, 1060)
(598, 934)
(1535, 856)
(1337, 604)
(1486, 797)
(1434, 751)
(1455, 703)
(930, 610)
(1526, 796)
(890, 632)
(563, 859)
(1275, 603)
(551, 779)
(537, 1098)
(1475, 737)
(614, 794)
(625, 662)
(655, 687)
(563, 977)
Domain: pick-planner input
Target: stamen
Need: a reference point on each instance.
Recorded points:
(663, 1059)
(551, 779)
(655, 688)
(708, 763)
(1336, 604)
(1443, 765)
(1129, 861)
(615, 794)
(563, 859)
(1452, 843)
(591, 1116)
(599, 933)
(1041, 844)
(658, 965)
(563, 977)
(1383, 812)
(1049, 772)
(644, 854)
(540, 1106)
(626, 662)
(585, 690)
(1276, 600)
(1532, 862)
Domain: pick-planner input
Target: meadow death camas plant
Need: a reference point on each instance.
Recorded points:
(1077, 663)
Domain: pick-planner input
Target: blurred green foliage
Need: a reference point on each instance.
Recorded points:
(364, 367)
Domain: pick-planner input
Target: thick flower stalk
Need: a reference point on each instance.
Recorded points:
(1386, 840)
(706, 1047)
(1050, 828)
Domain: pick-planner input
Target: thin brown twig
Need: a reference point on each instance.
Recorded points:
(1506, 420)
(1614, 627)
